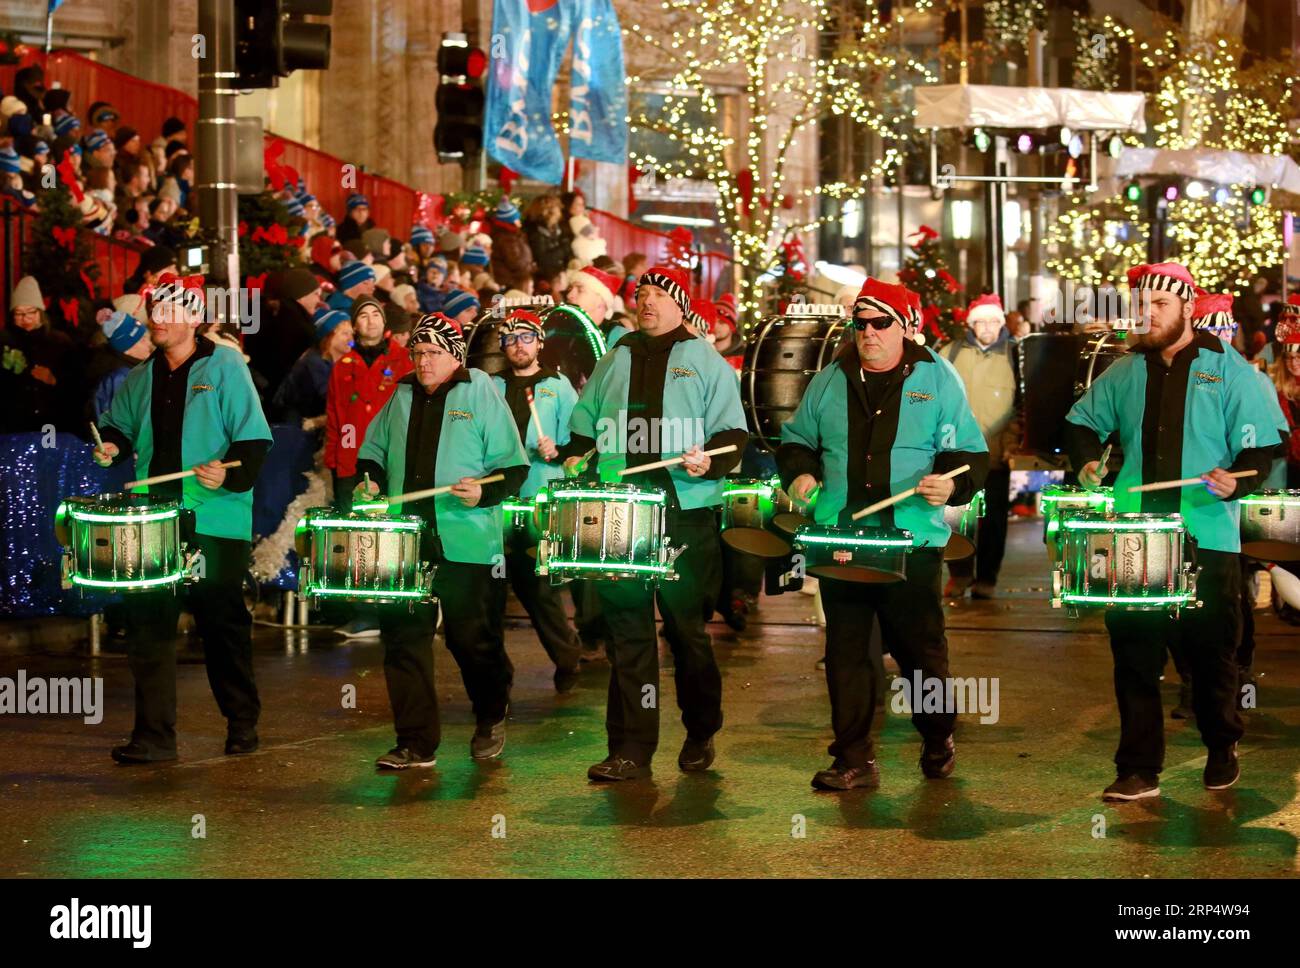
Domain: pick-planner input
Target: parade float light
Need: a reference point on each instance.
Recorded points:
(1194, 190)
(1258, 196)
(1133, 192)
(1114, 146)
(1025, 143)
(840, 275)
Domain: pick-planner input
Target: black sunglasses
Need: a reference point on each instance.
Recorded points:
(875, 322)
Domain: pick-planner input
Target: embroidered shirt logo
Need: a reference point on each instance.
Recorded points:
(683, 372)
(543, 392)
(1203, 377)
(202, 387)
(460, 415)
(916, 396)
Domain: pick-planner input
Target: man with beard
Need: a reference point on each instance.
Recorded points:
(525, 386)
(1183, 404)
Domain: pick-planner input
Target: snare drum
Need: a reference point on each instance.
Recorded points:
(121, 542)
(370, 557)
(1060, 500)
(1133, 562)
(864, 555)
(604, 532)
(520, 529)
(1270, 525)
(964, 522)
(749, 509)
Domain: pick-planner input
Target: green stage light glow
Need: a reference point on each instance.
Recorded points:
(1070, 598)
(859, 542)
(638, 497)
(94, 517)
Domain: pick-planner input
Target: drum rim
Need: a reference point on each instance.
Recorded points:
(78, 506)
(816, 531)
(1283, 494)
(611, 488)
(355, 522)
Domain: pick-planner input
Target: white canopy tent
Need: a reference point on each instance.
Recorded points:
(995, 106)
(1211, 165)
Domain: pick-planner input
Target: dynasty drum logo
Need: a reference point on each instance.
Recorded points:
(916, 396)
(1130, 558)
(683, 372)
(460, 415)
(362, 553)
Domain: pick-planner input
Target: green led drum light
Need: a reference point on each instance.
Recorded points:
(364, 592)
(1091, 497)
(1122, 527)
(371, 525)
(518, 507)
(376, 506)
(93, 517)
(760, 491)
(127, 582)
(592, 331)
(1272, 504)
(862, 542)
(1070, 598)
(606, 566)
(616, 497)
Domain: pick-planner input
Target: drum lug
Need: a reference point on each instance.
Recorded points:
(1057, 581)
(543, 557)
(65, 581)
(667, 556)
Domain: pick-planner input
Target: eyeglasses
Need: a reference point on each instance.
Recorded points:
(875, 322)
(510, 339)
(429, 354)
(26, 311)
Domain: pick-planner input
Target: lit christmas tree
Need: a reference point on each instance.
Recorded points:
(926, 273)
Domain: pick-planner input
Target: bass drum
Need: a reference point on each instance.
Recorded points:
(573, 342)
(1056, 369)
(781, 359)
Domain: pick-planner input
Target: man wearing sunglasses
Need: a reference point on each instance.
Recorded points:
(446, 425)
(553, 397)
(886, 416)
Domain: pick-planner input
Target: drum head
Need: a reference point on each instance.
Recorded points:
(755, 541)
(856, 574)
(789, 521)
(1271, 550)
(959, 546)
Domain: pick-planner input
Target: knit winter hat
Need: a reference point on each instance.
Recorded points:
(328, 320)
(401, 293)
(988, 306)
(10, 105)
(66, 125)
(353, 274)
(702, 316)
(298, 282)
(9, 160)
(1163, 277)
(605, 284)
(437, 329)
(122, 330)
(97, 139)
(376, 241)
(355, 199)
(1213, 310)
(507, 212)
(475, 255)
(294, 206)
(186, 291)
(449, 241)
(421, 235)
(522, 321)
(672, 281)
(897, 302)
(27, 293)
(727, 311)
(457, 301)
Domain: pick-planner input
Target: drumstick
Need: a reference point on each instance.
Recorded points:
(904, 495)
(410, 496)
(1185, 482)
(673, 461)
(581, 466)
(94, 432)
(164, 478)
(537, 420)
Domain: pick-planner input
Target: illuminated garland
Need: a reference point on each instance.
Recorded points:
(1007, 23)
(1096, 245)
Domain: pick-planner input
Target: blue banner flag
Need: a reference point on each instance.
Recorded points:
(598, 85)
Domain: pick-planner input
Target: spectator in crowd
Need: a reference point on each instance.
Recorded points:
(726, 332)
(29, 87)
(160, 230)
(99, 150)
(102, 184)
(1285, 371)
(325, 253)
(423, 245)
(154, 263)
(127, 152)
(592, 291)
(180, 172)
(450, 245)
(67, 126)
(383, 282)
(285, 332)
(103, 116)
(356, 280)
(301, 396)
(173, 129)
(1248, 311)
(511, 258)
(399, 324)
(634, 263)
(461, 307)
(985, 360)
(404, 297)
(35, 383)
(376, 243)
(550, 249)
(126, 343)
(358, 221)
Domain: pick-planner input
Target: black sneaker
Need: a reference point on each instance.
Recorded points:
(840, 776)
(695, 756)
(238, 745)
(405, 758)
(489, 740)
(737, 614)
(1133, 786)
(983, 590)
(1184, 708)
(938, 759)
(565, 680)
(130, 754)
(615, 768)
(1222, 768)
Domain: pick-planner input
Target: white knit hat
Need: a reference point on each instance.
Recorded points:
(27, 293)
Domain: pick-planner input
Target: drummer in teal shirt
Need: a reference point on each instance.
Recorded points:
(1182, 404)
(541, 400)
(191, 405)
(446, 425)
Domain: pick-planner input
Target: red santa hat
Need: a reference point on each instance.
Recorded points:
(1163, 277)
(703, 316)
(1287, 332)
(1213, 310)
(727, 310)
(604, 283)
(1291, 308)
(988, 306)
(877, 298)
(672, 281)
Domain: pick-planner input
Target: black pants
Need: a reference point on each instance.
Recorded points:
(991, 540)
(742, 574)
(225, 628)
(467, 593)
(545, 608)
(1246, 649)
(1206, 640)
(912, 630)
(632, 712)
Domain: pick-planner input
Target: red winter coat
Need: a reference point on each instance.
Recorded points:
(356, 394)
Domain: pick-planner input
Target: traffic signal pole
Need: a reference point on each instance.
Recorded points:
(218, 199)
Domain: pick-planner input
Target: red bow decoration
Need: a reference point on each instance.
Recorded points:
(633, 176)
(86, 280)
(796, 262)
(275, 235)
(507, 178)
(952, 284)
(279, 174)
(745, 185)
(255, 282)
(680, 241)
(68, 175)
(243, 228)
(930, 320)
(66, 237)
(925, 234)
(71, 310)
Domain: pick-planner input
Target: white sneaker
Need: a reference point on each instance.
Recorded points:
(358, 629)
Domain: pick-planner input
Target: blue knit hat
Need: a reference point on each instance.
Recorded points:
(327, 220)
(9, 160)
(306, 198)
(328, 320)
(354, 273)
(439, 262)
(66, 125)
(337, 300)
(475, 255)
(40, 148)
(507, 212)
(457, 301)
(97, 139)
(294, 206)
(421, 234)
(355, 199)
(122, 330)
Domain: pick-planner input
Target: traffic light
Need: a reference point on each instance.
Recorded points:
(272, 40)
(1133, 192)
(1258, 195)
(458, 132)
